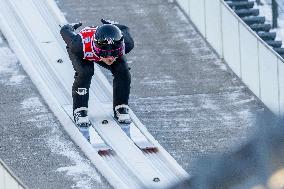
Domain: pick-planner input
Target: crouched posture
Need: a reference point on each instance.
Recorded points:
(105, 45)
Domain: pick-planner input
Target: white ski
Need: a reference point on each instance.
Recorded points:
(139, 139)
(133, 132)
(95, 139)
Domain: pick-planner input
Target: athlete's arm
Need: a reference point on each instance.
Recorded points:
(73, 40)
(128, 40)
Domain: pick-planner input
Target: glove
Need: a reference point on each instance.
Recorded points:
(120, 26)
(108, 21)
(76, 25)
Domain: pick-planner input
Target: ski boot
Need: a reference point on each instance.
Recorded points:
(82, 121)
(121, 114)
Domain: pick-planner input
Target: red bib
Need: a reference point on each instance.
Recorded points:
(87, 35)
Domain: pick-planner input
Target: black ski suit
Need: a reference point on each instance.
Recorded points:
(84, 69)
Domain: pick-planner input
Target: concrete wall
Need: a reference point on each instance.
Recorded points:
(257, 65)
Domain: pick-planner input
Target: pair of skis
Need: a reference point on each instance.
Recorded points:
(131, 130)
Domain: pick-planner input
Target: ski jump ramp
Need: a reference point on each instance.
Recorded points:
(32, 30)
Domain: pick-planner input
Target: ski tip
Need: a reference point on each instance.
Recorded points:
(150, 150)
(105, 152)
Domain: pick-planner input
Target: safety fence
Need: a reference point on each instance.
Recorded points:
(8, 180)
(251, 59)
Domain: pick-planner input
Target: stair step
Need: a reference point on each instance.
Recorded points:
(279, 50)
(254, 20)
(247, 12)
(260, 27)
(236, 5)
(274, 44)
(267, 35)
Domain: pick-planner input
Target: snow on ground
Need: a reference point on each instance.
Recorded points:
(8, 61)
(203, 47)
(165, 79)
(79, 171)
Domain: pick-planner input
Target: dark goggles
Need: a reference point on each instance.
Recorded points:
(104, 49)
(105, 45)
(106, 53)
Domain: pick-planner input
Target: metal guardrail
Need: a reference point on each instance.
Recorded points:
(8, 180)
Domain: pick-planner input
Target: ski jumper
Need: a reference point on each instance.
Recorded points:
(82, 56)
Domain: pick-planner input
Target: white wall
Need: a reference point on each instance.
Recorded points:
(212, 22)
(281, 85)
(259, 67)
(197, 14)
(230, 39)
(7, 179)
(268, 75)
(249, 59)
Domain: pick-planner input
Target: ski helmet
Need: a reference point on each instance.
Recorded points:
(108, 41)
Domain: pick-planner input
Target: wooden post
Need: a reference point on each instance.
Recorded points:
(258, 2)
(274, 14)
